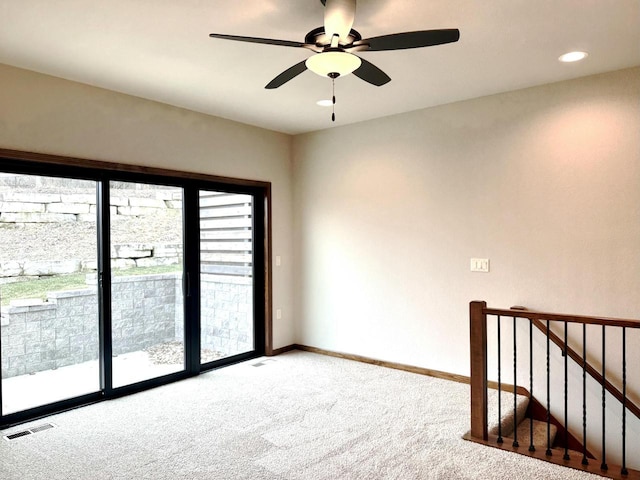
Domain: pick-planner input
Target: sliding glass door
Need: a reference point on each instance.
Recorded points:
(147, 320)
(112, 282)
(226, 275)
(48, 290)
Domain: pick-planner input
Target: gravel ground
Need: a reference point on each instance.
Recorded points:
(172, 353)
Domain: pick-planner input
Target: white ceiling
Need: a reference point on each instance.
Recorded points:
(160, 50)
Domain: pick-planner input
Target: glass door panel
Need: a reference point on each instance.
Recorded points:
(49, 321)
(146, 281)
(226, 275)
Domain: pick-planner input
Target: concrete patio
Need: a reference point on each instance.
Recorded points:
(27, 391)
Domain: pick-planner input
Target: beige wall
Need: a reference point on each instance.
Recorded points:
(384, 215)
(545, 182)
(44, 114)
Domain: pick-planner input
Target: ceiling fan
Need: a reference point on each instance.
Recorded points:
(336, 42)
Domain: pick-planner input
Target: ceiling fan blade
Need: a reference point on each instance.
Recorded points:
(287, 75)
(265, 41)
(372, 74)
(401, 41)
(338, 18)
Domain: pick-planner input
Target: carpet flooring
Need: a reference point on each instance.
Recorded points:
(296, 416)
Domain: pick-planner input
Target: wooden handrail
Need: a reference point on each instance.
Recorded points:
(612, 389)
(538, 319)
(534, 315)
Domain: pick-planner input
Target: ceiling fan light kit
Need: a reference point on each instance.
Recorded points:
(337, 62)
(334, 43)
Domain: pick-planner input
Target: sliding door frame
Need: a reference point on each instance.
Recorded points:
(104, 172)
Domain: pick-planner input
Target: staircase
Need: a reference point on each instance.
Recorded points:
(520, 417)
(552, 442)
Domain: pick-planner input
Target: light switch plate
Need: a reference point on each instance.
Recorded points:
(480, 265)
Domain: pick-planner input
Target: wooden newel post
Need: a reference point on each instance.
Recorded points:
(478, 330)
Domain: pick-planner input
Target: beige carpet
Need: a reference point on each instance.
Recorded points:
(296, 416)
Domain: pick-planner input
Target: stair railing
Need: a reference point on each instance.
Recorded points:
(542, 322)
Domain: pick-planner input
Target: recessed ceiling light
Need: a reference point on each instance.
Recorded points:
(572, 57)
(324, 103)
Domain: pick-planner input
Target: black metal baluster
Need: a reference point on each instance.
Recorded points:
(532, 447)
(500, 440)
(624, 470)
(548, 452)
(566, 409)
(604, 465)
(515, 386)
(584, 395)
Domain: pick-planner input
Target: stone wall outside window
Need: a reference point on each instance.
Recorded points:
(147, 310)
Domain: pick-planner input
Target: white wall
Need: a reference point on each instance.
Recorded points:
(545, 182)
(44, 114)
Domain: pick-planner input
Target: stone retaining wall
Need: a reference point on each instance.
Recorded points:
(226, 324)
(123, 256)
(146, 310)
(63, 330)
(40, 336)
(53, 207)
(33, 207)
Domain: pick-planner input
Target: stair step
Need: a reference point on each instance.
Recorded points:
(509, 418)
(539, 433)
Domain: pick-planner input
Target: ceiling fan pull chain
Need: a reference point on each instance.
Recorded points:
(333, 90)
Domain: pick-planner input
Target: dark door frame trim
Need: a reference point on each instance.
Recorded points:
(260, 189)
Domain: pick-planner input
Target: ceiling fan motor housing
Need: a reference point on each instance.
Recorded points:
(318, 37)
